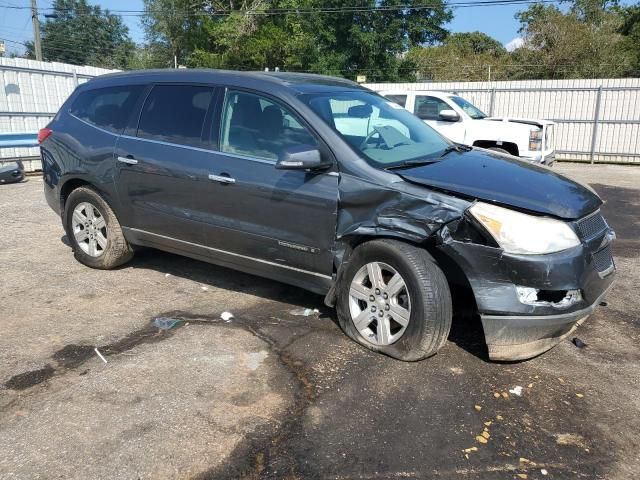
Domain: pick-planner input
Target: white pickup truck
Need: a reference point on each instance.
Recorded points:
(460, 121)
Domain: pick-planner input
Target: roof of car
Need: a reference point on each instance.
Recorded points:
(300, 82)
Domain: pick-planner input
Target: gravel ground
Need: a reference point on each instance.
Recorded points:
(272, 394)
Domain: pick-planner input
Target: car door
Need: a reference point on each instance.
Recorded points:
(163, 163)
(281, 217)
(428, 109)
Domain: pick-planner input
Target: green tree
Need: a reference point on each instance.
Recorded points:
(83, 34)
(630, 29)
(573, 44)
(475, 43)
(469, 56)
(348, 40)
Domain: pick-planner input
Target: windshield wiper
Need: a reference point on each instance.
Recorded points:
(456, 147)
(414, 163)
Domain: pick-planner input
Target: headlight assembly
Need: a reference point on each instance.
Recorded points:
(517, 232)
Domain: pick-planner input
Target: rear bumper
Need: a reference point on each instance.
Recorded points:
(11, 173)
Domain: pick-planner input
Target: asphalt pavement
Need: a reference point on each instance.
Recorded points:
(275, 393)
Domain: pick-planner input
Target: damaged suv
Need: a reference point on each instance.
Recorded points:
(323, 184)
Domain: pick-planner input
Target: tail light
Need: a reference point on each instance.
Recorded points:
(43, 134)
(535, 139)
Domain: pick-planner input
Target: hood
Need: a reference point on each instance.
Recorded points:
(524, 121)
(505, 180)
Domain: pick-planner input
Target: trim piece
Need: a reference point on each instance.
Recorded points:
(92, 125)
(160, 142)
(217, 250)
(221, 179)
(130, 161)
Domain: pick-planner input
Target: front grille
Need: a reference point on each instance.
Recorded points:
(591, 226)
(602, 259)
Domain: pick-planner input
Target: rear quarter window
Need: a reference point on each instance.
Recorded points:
(108, 108)
(399, 99)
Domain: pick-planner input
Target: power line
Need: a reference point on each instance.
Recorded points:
(302, 11)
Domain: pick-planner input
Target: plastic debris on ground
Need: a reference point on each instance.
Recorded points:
(226, 316)
(166, 323)
(578, 343)
(100, 355)
(517, 390)
(304, 312)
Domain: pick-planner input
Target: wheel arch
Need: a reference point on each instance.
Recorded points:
(511, 147)
(74, 182)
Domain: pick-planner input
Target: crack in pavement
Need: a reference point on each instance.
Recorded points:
(252, 458)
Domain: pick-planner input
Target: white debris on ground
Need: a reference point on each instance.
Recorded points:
(517, 390)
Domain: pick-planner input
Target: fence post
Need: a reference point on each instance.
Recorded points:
(75, 77)
(491, 99)
(596, 120)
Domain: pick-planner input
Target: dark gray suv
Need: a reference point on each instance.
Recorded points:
(320, 183)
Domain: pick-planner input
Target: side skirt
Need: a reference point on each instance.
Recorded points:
(315, 282)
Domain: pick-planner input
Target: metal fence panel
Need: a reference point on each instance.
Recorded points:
(34, 91)
(32, 94)
(597, 119)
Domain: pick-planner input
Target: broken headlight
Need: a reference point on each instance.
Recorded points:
(517, 232)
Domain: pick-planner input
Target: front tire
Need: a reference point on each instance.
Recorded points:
(94, 231)
(394, 299)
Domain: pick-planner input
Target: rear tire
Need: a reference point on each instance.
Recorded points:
(423, 297)
(93, 230)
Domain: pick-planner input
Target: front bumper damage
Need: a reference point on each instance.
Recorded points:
(570, 285)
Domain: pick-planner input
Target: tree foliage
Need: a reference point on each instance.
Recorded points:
(583, 43)
(589, 39)
(83, 34)
(234, 34)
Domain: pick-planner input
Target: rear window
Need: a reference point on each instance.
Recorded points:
(399, 99)
(107, 108)
(175, 114)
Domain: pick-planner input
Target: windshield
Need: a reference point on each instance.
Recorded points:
(381, 131)
(469, 108)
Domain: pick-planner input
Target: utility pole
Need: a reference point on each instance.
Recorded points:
(37, 43)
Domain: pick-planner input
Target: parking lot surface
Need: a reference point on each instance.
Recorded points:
(277, 392)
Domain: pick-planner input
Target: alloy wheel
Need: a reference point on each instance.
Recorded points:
(379, 303)
(89, 229)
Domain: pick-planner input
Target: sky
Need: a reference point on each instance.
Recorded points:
(497, 21)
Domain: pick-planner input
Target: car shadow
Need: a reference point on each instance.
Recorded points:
(466, 330)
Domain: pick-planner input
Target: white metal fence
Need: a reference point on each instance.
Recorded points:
(32, 93)
(597, 120)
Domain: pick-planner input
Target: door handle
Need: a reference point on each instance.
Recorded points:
(221, 178)
(130, 161)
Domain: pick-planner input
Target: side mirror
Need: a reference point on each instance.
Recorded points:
(301, 157)
(449, 116)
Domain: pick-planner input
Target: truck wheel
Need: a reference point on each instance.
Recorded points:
(394, 299)
(94, 231)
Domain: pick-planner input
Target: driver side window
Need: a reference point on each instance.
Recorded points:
(255, 126)
(429, 108)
